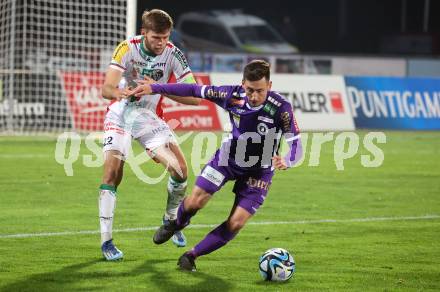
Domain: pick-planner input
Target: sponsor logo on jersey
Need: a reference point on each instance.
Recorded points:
(120, 51)
(213, 175)
(159, 130)
(258, 183)
(111, 127)
(272, 100)
(262, 129)
(285, 119)
(159, 65)
(265, 119)
(216, 93)
(155, 74)
(139, 63)
(181, 58)
(270, 109)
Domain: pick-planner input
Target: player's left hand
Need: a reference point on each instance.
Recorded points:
(143, 87)
(279, 163)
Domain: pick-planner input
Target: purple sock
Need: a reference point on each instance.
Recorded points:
(183, 217)
(213, 241)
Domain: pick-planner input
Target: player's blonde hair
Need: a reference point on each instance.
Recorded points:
(156, 20)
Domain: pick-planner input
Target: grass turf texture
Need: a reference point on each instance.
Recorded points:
(37, 197)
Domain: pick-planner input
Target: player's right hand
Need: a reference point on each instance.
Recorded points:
(143, 88)
(124, 93)
(279, 163)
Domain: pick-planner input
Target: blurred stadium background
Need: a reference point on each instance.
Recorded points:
(346, 66)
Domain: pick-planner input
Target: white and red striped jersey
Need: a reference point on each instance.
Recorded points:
(135, 61)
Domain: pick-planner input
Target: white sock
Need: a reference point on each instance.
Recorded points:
(107, 204)
(176, 193)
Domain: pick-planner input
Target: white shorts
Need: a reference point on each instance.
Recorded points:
(147, 128)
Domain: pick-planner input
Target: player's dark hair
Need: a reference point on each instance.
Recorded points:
(256, 70)
(157, 20)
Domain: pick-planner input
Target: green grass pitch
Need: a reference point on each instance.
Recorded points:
(395, 244)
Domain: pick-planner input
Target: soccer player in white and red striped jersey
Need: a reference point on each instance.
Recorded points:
(147, 55)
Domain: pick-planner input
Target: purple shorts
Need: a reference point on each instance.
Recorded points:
(250, 186)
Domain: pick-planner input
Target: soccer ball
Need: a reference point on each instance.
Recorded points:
(277, 264)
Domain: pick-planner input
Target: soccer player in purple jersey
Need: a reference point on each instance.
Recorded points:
(259, 118)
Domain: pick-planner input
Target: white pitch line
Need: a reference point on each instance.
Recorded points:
(199, 226)
(25, 156)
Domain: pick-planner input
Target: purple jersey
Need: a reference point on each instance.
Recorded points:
(256, 131)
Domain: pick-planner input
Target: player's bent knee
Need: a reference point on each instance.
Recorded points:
(197, 202)
(180, 173)
(235, 225)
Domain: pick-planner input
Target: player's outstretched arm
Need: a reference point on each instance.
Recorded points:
(220, 95)
(144, 88)
(174, 89)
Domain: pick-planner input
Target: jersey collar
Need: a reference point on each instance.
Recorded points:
(254, 108)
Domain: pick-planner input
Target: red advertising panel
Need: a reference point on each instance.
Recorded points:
(87, 106)
(201, 117)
